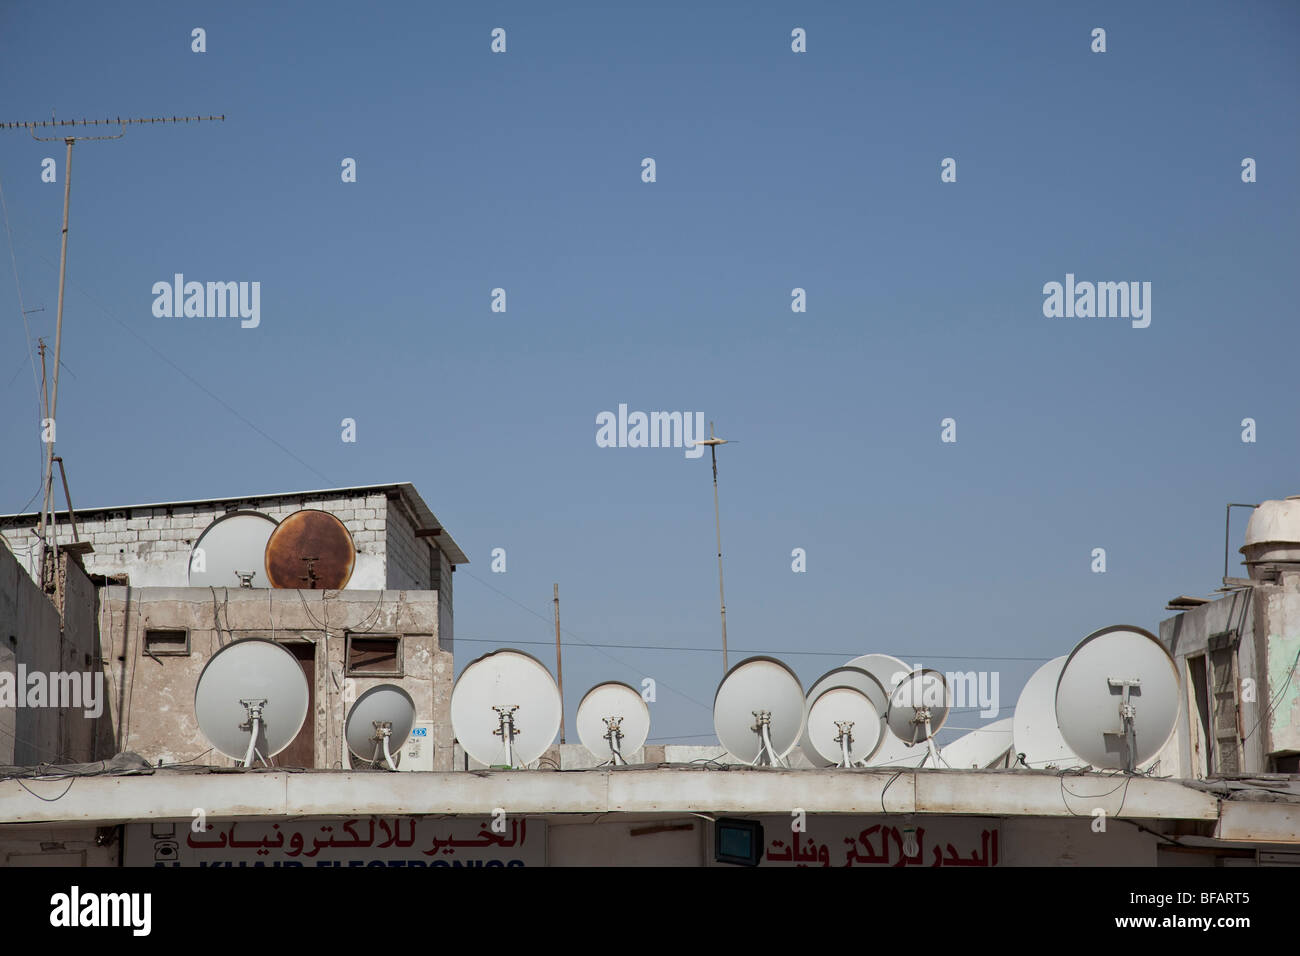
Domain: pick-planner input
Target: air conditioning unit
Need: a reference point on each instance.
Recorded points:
(417, 752)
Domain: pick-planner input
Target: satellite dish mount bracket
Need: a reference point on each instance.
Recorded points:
(507, 729)
(383, 731)
(614, 735)
(256, 730)
(766, 752)
(1127, 718)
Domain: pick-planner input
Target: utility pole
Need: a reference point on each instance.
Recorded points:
(559, 664)
(713, 444)
(47, 481)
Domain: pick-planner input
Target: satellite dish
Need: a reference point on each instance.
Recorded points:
(231, 551)
(505, 709)
(980, 749)
(884, 668)
(311, 550)
(858, 679)
(613, 719)
(844, 726)
(383, 713)
(1117, 698)
(889, 671)
(251, 700)
(918, 707)
(758, 711)
(1034, 733)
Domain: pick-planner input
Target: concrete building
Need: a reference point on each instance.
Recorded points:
(139, 785)
(1238, 656)
(146, 634)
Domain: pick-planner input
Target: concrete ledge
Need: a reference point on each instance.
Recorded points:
(234, 796)
(1259, 822)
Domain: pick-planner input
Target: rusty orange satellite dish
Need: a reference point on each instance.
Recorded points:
(311, 550)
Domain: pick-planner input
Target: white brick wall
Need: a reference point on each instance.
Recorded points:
(152, 548)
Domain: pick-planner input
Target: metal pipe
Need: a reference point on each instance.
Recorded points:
(559, 663)
(1227, 522)
(67, 495)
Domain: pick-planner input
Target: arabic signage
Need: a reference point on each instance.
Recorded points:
(881, 841)
(361, 841)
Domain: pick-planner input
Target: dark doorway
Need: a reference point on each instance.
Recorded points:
(302, 752)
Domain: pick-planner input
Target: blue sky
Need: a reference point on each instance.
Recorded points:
(775, 170)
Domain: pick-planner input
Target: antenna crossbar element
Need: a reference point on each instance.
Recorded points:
(110, 121)
(50, 408)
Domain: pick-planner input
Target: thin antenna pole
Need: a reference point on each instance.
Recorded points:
(45, 404)
(713, 444)
(559, 664)
(47, 502)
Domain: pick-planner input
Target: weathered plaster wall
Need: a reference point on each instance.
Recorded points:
(153, 699)
(32, 635)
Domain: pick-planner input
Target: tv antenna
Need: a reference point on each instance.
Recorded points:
(317, 540)
(47, 503)
(251, 700)
(888, 671)
(758, 712)
(381, 715)
(613, 722)
(227, 547)
(870, 733)
(713, 443)
(1035, 734)
(1118, 698)
(505, 709)
(918, 707)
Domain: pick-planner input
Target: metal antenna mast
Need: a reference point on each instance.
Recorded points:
(47, 503)
(713, 444)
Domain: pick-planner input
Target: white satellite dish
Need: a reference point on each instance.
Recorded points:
(981, 748)
(1034, 733)
(231, 552)
(251, 700)
(918, 707)
(884, 668)
(505, 709)
(383, 713)
(613, 719)
(889, 671)
(844, 726)
(758, 711)
(1117, 699)
(858, 679)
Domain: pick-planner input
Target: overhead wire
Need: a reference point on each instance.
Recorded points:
(374, 616)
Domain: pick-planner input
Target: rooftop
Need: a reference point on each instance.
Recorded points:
(428, 521)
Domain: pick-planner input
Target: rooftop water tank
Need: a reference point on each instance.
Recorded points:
(1273, 535)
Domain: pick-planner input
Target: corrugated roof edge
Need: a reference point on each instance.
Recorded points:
(444, 541)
